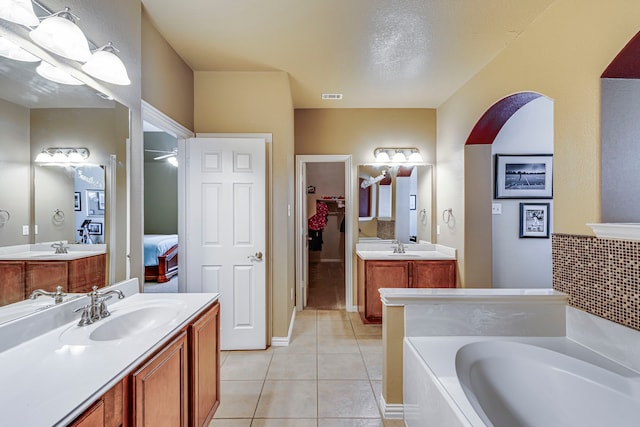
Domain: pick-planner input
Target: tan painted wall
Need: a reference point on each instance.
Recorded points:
(561, 55)
(260, 102)
(167, 82)
(357, 132)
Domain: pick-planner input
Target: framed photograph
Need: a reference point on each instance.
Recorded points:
(95, 202)
(524, 177)
(412, 202)
(77, 201)
(95, 228)
(534, 220)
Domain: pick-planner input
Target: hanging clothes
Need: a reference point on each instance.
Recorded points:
(316, 224)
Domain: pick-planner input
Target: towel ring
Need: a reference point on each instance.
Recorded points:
(446, 215)
(58, 216)
(5, 216)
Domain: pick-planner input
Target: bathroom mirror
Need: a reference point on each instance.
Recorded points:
(395, 203)
(35, 114)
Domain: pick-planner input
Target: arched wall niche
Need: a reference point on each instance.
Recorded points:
(479, 184)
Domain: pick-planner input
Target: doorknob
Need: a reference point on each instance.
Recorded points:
(256, 257)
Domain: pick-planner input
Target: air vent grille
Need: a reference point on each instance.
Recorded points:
(331, 96)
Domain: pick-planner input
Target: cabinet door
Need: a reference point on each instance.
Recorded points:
(433, 274)
(159, 387)
(12, 276)
(46, 275)
(108, 411)
(85, 273)
(205, 369)
(92, 417)
(382, 274)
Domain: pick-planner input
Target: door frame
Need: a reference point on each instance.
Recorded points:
(301, 224)
(157, 118)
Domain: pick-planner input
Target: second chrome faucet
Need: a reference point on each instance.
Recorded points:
(97, 308)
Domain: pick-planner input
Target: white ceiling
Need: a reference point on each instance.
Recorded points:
(378, 53)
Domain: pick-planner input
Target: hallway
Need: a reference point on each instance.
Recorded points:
(329, 376)
(326, 286)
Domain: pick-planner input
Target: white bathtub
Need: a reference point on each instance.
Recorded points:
(513, 382)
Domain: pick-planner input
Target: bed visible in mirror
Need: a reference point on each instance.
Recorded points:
(160, 257)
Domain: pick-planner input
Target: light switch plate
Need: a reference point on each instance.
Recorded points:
(496, 209)
(25, 230)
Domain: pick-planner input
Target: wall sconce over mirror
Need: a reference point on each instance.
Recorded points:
(397, 155)
(62, 156)
(58, 33)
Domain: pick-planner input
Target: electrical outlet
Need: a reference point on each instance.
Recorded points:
(438, 230)
(25, 230)
(496, 209)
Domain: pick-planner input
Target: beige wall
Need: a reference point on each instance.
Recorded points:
(168, 80)
(357, 132)
(561, 55)
(260, 102)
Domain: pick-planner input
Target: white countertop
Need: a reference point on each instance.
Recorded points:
(413, 251)
(52, 378)
(48, 256)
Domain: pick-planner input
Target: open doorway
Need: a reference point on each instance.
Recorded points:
(323, 240)
(163, 151)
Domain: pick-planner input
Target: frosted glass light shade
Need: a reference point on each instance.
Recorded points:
(382, 157)
(57, 75)
(173, 161)
(10, 50)
(399, 157)
(106, 66)
(415, 157)
(60, 35)
(19, 11)
(44, 157)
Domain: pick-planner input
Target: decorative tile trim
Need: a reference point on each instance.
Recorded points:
(601, 276)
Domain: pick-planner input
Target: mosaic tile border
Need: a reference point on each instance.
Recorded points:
(601, 276)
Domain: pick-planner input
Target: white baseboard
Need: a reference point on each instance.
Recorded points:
(284, 341)
(391, 411)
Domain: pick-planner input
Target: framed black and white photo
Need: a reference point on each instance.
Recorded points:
(524, 177)
(95, 202)
(77, 201)
(95, 228)
(534, 220)
(412, 202)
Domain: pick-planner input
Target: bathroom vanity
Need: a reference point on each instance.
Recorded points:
(153, 361)
(419, 266)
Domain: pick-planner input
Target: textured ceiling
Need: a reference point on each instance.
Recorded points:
(378, 53)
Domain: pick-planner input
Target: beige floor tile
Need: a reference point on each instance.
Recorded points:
(334, 327)
(332, 315)
(305, 343)
(288, 399)
(293, 367)
(306, 313)
(245, 366)
(376, 385)
(305, 326)
(350, 422)
(238, 399)
(337, 344)
(370, 344)
(223, 357)
(346, 399)
(394, 423)
(285, 422)
(341, 367)
(373, 363)
(231, 423)
(361, 330)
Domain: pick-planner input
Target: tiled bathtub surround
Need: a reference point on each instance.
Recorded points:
(387, 229)
(601, 276)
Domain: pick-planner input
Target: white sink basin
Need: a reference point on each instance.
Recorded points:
(127, 320)
(405, 255)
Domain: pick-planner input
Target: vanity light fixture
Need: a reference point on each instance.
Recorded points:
(10, 50)
(173, 161)
(19, 11)
(397, 155)
(56, 74)
(105, 65)
(63, 156)
(58, 33)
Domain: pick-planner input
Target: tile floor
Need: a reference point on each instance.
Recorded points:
(330, 375)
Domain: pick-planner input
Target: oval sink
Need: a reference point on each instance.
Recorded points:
(132, 323)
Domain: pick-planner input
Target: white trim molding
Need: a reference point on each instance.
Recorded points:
(391, 411)
(284, 341)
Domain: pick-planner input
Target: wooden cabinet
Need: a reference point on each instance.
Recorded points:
(376, 274)
(84, 273)
(159, 394)
(204, 346)
(108, 411)
(46, 275)
(12, 274)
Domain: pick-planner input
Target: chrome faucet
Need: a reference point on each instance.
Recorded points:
(97, 309)
(60, 248)
(399, 249)
(58, 295)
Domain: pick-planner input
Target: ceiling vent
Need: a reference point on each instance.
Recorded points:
(331, 96)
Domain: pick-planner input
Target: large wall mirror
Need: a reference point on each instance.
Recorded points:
(41, 203)
(394, 203)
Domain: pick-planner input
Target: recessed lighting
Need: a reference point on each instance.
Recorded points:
(331, 96)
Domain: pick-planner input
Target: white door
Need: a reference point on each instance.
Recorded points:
(303, 243)
(225, 233)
